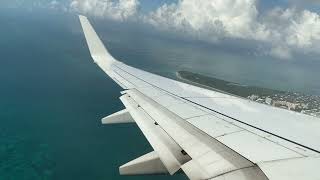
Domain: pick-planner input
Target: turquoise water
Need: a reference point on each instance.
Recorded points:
(52, 96)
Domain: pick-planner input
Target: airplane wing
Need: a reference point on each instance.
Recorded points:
(208, 134)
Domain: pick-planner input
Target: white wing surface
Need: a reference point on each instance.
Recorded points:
(208, 134)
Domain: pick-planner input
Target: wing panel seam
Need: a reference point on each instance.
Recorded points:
(222, 113)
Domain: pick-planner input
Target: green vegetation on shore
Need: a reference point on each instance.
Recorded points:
(225, 86)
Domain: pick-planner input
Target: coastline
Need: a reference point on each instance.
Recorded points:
(178, 75)
(294, 101)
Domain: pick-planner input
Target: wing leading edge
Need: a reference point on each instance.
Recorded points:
(208, 134)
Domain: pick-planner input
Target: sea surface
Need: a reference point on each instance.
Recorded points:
(52, 96)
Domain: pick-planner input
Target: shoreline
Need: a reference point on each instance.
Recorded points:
(297, 102)
(204, 86)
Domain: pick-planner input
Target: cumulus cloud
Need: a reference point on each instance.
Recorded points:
(284, 31)
(117, 10)
(281, 31)
(292, 30)
(234, 18)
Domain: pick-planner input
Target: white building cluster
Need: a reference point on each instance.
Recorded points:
(292, 101)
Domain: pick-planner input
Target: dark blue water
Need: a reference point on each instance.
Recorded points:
(52, 96)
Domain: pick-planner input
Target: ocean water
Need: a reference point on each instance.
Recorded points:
(52, 96)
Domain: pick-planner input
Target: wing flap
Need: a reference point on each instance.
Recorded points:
(169, 152)
(147, 164)
(251, 146)
(212, 157)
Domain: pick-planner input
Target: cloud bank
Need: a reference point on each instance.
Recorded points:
(281, 31)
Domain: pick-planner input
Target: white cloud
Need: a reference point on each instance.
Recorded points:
(234, 18)
(294, 30)
(117, 10)
(283, 30)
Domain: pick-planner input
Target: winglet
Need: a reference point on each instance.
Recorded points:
(98, 52)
